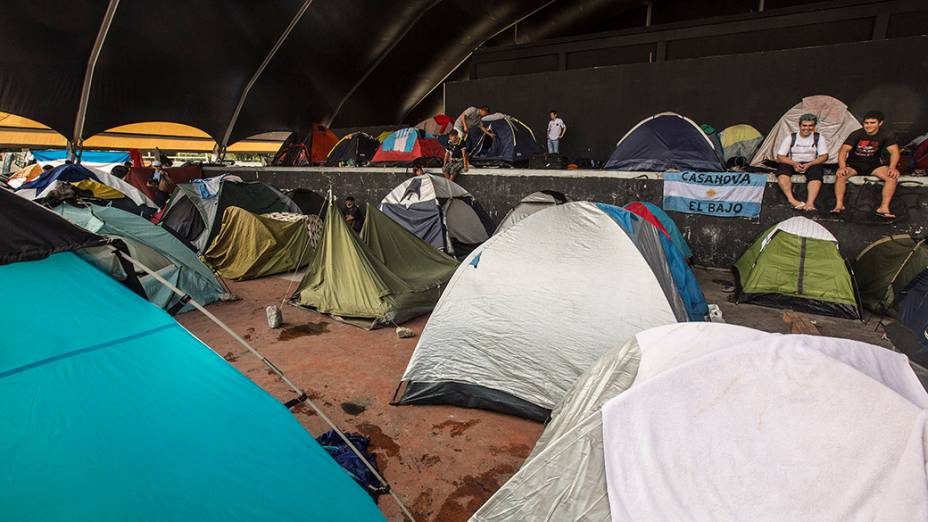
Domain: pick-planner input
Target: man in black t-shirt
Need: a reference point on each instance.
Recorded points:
(455, 157)
(862, 153)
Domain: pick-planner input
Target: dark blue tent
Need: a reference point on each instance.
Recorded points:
(910, 331)
(68, 172)
(666, 141)
(513, 143)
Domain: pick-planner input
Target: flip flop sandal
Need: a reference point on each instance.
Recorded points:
(886, 215)
(836, 211)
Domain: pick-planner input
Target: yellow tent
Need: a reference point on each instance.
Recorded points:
(16, 131)
(99, 190)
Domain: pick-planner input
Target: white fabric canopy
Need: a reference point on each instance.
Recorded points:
(786, 428)
(565, 477)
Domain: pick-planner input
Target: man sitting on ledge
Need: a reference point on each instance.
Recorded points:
(862, 153)
(802, 153)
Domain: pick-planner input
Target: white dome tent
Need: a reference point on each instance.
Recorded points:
(527, 312)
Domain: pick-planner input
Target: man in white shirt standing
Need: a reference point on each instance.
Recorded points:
(802, 152)
(556, 131)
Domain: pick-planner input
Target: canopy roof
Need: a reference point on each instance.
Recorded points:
(248, 71)
(17, 131)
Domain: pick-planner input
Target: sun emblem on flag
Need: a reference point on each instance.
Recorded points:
(710, 193)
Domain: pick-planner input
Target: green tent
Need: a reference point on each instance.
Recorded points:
(886, 267)
(387, 275)
(249, 246)
(156, 248)
(796, 264)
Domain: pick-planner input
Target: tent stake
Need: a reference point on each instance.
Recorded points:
(302, 395)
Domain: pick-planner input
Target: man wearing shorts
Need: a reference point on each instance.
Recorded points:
(470, 119)
(862, 153)
(455, 157)
(802, 152)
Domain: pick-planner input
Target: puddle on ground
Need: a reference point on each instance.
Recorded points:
(302, 330)
(457, 428)
(472, 492)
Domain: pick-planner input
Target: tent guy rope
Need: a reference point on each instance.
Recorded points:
(302, 395)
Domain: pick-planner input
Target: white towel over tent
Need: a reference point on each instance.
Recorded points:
(707, 421)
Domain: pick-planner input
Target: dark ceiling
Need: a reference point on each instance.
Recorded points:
(345, 63)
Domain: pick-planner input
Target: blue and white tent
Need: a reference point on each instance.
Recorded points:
(529, 310)
(103, 160)
(665, 141)
(113, 411)
(439, 212)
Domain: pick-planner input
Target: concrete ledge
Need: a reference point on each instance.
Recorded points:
(716, 241)
(570, 174)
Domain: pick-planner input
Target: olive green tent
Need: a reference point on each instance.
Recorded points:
(249, 246)
(886, 267)
(387, 275)
(796, 264)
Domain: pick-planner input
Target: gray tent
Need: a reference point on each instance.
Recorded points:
(529, 205)
(195, 210)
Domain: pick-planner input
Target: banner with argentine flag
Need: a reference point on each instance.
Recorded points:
(722, 194)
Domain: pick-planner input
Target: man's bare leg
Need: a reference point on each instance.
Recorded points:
(840, 188)
(889, 188)
(786, 185)
(812, 188)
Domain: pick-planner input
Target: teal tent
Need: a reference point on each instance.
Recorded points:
(156, 248)
(113, 411)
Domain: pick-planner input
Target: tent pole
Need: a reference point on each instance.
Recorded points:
(91, 65)
(302, 395)
(254, 78)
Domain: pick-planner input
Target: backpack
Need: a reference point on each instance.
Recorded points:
(792, 142)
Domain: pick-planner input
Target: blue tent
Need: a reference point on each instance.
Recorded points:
(113, 411)
(683, 277)
(70, 172)
(910, 331)
(666, 141)
(514, 142)
(87, 156)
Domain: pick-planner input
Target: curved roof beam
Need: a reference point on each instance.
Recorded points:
(254, 78)
(91, 65)
(466, 57)
(386, 52)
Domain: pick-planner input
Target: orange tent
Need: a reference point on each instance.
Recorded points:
(303, 149)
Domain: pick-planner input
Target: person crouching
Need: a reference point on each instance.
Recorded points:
(455, 160)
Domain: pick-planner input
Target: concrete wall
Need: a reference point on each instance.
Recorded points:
(715, 241)
(600, 105)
